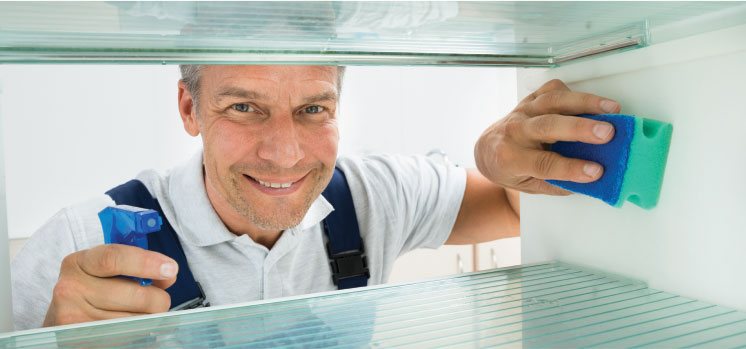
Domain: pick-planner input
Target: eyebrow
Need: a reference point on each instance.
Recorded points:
(248, 94)
(240, 93)
(324, 96)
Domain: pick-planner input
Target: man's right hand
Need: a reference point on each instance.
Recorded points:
(88, 288)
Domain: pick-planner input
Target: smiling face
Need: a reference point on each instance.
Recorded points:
(270, 140)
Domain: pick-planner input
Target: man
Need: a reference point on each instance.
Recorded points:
(247, 208)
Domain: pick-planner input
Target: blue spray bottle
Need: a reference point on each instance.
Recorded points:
(129, 225)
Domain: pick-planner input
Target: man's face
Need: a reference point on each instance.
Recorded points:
(270, 139)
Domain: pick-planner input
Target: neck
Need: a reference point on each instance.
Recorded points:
(238, 224)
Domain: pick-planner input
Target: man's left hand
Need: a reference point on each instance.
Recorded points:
(512, 152)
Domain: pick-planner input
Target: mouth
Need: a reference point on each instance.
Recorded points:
(276, 186)
(273, 185)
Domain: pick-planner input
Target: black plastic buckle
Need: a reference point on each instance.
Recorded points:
(348, 264)
(199, 302)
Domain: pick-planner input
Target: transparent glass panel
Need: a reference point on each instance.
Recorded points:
(351, 32)
(544, 305)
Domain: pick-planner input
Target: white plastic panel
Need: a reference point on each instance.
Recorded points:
(693, 242)
(6, 323)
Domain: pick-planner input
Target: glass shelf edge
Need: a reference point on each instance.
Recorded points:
(629, 37)
(158, 57)
(621, 39)
(17, 56)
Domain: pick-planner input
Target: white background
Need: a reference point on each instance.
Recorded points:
(75, 131)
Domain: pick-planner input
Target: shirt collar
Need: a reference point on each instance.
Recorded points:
(199, 224)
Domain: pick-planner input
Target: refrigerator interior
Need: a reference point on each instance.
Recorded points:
(678, 62)
(692, 242)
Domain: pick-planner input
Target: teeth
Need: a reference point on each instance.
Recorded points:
(275, 185)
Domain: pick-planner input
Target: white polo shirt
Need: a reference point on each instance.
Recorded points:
(402, 203)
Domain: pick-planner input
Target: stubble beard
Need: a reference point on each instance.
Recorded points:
(284, 217)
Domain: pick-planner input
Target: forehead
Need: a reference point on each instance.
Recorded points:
(267, 74)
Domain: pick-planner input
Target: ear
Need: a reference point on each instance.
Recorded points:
(187, 110)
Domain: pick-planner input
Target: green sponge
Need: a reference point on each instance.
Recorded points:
(647, 163)
(634, 161)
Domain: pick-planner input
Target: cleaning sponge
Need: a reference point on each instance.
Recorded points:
(634, 161)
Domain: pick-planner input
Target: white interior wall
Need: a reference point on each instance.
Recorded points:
(6, 322)
(691, 244)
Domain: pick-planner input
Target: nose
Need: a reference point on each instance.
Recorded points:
(280, 144)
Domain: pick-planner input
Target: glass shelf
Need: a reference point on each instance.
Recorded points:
(543, 305)
(351, 33)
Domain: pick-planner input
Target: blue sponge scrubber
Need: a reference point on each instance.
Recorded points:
(634, 161)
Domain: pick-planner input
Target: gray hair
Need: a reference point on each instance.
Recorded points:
(190, 74)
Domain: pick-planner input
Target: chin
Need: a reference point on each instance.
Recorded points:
(278, 213)
(273, 215)
(273, 222)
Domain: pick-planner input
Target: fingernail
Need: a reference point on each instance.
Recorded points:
(602, 131)
(168, 270)
(609, 106)
(591, 170)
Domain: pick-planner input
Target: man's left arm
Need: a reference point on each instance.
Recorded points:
(488, 212)
(511, 156)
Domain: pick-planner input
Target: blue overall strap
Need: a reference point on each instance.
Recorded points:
(344, 245)
(186, 292)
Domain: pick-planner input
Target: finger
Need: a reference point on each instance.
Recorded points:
(164, 284)
(553, 127)
(549, 165)
(98, 314)
(87, 313)
(570, 103)
(538, 186)
(115, 259)
(69, 306)
(123, 295)
(551, 85)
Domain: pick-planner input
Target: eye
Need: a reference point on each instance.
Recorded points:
(313, 109)
(242, 107)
